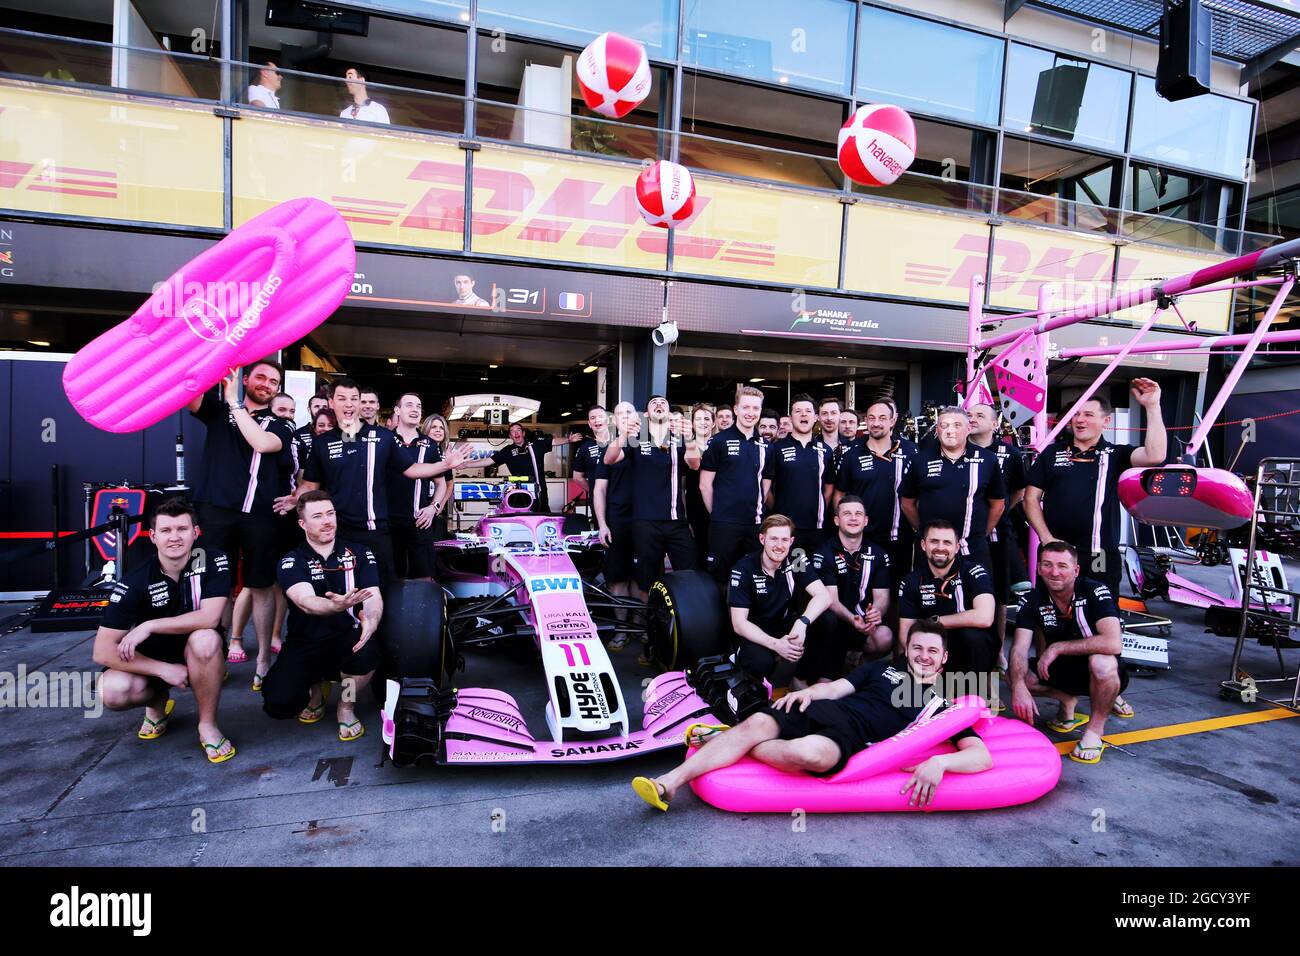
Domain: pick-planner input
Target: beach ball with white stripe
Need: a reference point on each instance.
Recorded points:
(665, 194)
(877, 144)
(614, 75)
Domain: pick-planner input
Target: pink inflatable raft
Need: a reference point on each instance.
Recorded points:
(1025, 766)
(263, 287)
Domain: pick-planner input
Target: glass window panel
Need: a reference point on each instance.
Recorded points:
(457, 10)
(1205, 132)
(1075, 100)
(805, 45)
(653, 22)
(958, 75)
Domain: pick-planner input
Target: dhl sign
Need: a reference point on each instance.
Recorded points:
(409, 190)
(109, 157)
(894, 251)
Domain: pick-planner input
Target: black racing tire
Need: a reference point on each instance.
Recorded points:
(685, 620)
(414, 631)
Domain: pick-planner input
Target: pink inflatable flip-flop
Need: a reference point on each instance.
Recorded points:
(1025, 766)
(263, 287)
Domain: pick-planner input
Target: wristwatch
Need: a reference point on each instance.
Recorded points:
(804, 618)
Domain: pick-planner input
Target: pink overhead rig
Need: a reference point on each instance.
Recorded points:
(1009, 370)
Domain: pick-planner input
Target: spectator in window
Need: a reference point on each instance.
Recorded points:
(362, 107)
(265, 92)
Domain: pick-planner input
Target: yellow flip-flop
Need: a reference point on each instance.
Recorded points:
(650, 792)
(157, 727)
(711, 728)
(1128, 714)
(319, 711)
(1100, 748)
(346, 726)
(210, 751)
(1066, 727)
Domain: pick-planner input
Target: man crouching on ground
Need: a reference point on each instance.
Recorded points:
(162, 630)
(819, 728)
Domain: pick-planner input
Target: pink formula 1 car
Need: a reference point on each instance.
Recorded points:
(528, 577)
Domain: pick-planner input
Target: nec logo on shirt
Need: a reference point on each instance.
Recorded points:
(788, 454)
(893, 676)
(733, 448)
(760, 583)
(538, 585)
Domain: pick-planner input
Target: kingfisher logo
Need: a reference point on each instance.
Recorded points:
(571, 583)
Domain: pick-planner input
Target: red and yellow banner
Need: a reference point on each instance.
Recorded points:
(103, 156)
(393, 188)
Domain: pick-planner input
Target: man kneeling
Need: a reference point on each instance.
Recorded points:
(819, 728)
(334, 608)
(160, 631)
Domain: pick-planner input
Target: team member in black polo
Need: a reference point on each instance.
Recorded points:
(1079, 639)
(801, 469)
(959, 593)
(613, 506)
(818, 729)
(856, 575)
(410, 500)
(765, 593)
(588, 454)
(353, 463)
(242, 471)
(769, 423)
(873, 469)
(960, 483)
(658, 463)
(308, 431)
(735, 474)
(335, 607)
(525, 458)
(161, 630)
(1072, 484)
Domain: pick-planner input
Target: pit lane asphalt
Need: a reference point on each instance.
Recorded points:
(84, 791)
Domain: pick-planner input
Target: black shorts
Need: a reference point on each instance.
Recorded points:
(169, 649)
(828, 640)
(619, 555)
(304, 662)
(412, 548)
(288, 534)
(972, 650)
(1069, 674)
(999, 566)
(249, 541)
(809, 539)
(824, 718)
(900, 562)
(728, 543)
(654, 539)
(379, 542)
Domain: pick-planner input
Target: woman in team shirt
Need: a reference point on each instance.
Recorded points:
(435, 427)
(702, 425)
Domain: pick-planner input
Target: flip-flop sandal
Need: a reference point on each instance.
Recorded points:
(236, 654)
(275, 650)
(649, 791)
(1066, 727)
(257, 683)
(1123, 711)
(1080, 749)
(348, 726)
(318, 712)
(157, 727)
(705, 731)
(212, 751)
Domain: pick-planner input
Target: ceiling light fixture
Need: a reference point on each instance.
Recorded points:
(392, 361)
(755, 381)
(589, 369)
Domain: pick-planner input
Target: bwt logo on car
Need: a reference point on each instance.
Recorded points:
(568, 583)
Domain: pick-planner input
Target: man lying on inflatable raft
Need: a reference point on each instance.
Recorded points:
(796, 753)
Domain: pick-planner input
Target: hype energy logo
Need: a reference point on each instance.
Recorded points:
(207, 306)
(832, 320)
